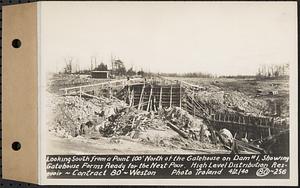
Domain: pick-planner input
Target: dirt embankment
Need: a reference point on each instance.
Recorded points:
(112, 122)
(266, 97)
(108, 125)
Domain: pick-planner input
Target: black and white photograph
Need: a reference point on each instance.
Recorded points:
(168, 78)
(140, 79)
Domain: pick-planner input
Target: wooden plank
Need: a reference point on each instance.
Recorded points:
(131, 99)
(101, 84)
(171, 97)
(149, 101)
(176, 129)
(160, 97)
(80, 91)
(141, 97)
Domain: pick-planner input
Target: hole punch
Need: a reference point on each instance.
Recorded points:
(16, 146)
(16, 43)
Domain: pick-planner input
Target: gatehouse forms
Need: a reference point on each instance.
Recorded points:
(192, 118)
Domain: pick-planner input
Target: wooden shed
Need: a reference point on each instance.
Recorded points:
(100, 74)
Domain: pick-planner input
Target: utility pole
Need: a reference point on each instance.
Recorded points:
(112, 63)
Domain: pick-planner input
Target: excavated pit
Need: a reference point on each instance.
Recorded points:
(155, 105)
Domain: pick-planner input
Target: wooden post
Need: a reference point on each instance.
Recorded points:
(193, 102)
(132, 97)
(80, 92)
(141, 96)
(186, 103)
(110, 92)
(149, 101)
(260, 122)
(129, 93)
(160, 97)
(171, 97)
(180, 95)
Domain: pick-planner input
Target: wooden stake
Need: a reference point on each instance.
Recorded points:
(154, 105)
(160, 97)
(80, 92)
(132, 98)
(110, 92)
(141, 96)
(149, 101)
(180, 96)
(129, 94)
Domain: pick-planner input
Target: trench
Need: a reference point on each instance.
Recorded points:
(151, 96)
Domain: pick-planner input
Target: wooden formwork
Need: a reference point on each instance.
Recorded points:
(151, 97)
(243, 126)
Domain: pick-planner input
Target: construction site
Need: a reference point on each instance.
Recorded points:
(167, 115)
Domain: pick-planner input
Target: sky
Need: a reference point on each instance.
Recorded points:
(229, 38)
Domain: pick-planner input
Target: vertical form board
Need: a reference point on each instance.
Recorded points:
(171, 96)
(20, 93)
(180, 95)
(160, 98)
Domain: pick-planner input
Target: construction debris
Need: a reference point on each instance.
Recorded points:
(181, 116)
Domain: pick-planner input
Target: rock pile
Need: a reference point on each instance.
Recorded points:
(234, 101)
(75, 115)
(113, 118)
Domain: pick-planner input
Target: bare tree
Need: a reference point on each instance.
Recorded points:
(69, 66)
